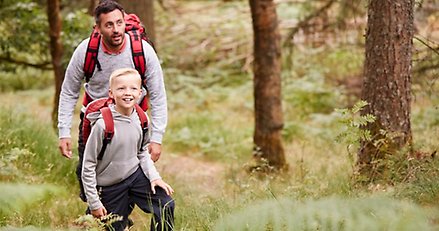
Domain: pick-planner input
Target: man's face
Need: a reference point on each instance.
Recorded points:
(112, 28)
(126, 91)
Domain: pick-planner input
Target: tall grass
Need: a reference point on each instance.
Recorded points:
(31, 147)
(29, 161)
(333, 214)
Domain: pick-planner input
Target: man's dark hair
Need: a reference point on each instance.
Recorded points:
(105, 7)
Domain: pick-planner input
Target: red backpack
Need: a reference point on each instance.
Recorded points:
(102, 106)
(137, 33)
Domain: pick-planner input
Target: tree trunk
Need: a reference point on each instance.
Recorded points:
(267, 84)
(145, 10)
(92, 6)
(56, 51)
(387, 75)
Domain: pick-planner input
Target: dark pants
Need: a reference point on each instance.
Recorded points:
(81, 147)
(117, 199)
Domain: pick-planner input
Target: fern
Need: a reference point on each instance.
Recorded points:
(88, 222)
(354, 132)
(333, 214)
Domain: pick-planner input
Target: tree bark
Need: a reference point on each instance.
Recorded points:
(267, 84)
(56, 51)
(145, 10)
(92, 6)
(387, 75)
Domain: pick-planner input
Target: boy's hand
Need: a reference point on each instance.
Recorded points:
(100, 212)
(163, 185)
(65, 147)
(155, 150)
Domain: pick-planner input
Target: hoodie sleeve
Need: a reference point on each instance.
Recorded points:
(70, 90)
(146, 162)
(89, 163)
(157, 94)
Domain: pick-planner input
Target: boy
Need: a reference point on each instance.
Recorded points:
(126, 174)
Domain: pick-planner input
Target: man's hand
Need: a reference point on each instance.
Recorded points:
(155, 150)
(100, 212)
(65, 147)
(159, 182)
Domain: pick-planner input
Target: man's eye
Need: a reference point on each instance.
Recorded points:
(119, 23)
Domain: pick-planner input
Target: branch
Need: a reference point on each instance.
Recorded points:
(435, 50)
(306, 20)
(42, 66)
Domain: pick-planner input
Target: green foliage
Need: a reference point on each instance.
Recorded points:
(198, 125)
(77, 25)
(26, 228)
(25, 40)
(17, 197)
(91, 223)
(309, 95)
(32, 148)
(354, 124)
(24, 32)
(24, 78)
(328, 214)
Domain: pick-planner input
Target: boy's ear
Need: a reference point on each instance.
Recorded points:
(110, 93)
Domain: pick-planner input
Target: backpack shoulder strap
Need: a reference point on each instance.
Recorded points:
(142, 116)
(139, 60)
(143, 120)
(91, 56)
(109, 130)
(137, 52)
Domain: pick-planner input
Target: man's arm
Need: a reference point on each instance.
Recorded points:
(68, 98)
(158, 101)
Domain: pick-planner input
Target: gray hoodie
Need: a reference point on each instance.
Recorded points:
(123, 155)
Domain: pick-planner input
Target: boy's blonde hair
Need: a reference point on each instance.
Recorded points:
(123, 72)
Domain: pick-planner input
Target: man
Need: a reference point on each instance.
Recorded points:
(114, 53)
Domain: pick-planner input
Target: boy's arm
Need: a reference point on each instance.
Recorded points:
(89, 164)
(145, 160)
(147, 165)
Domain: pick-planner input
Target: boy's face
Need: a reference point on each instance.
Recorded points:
(126, 91)
(112, 28)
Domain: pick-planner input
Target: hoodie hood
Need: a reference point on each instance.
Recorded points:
(94, 116)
